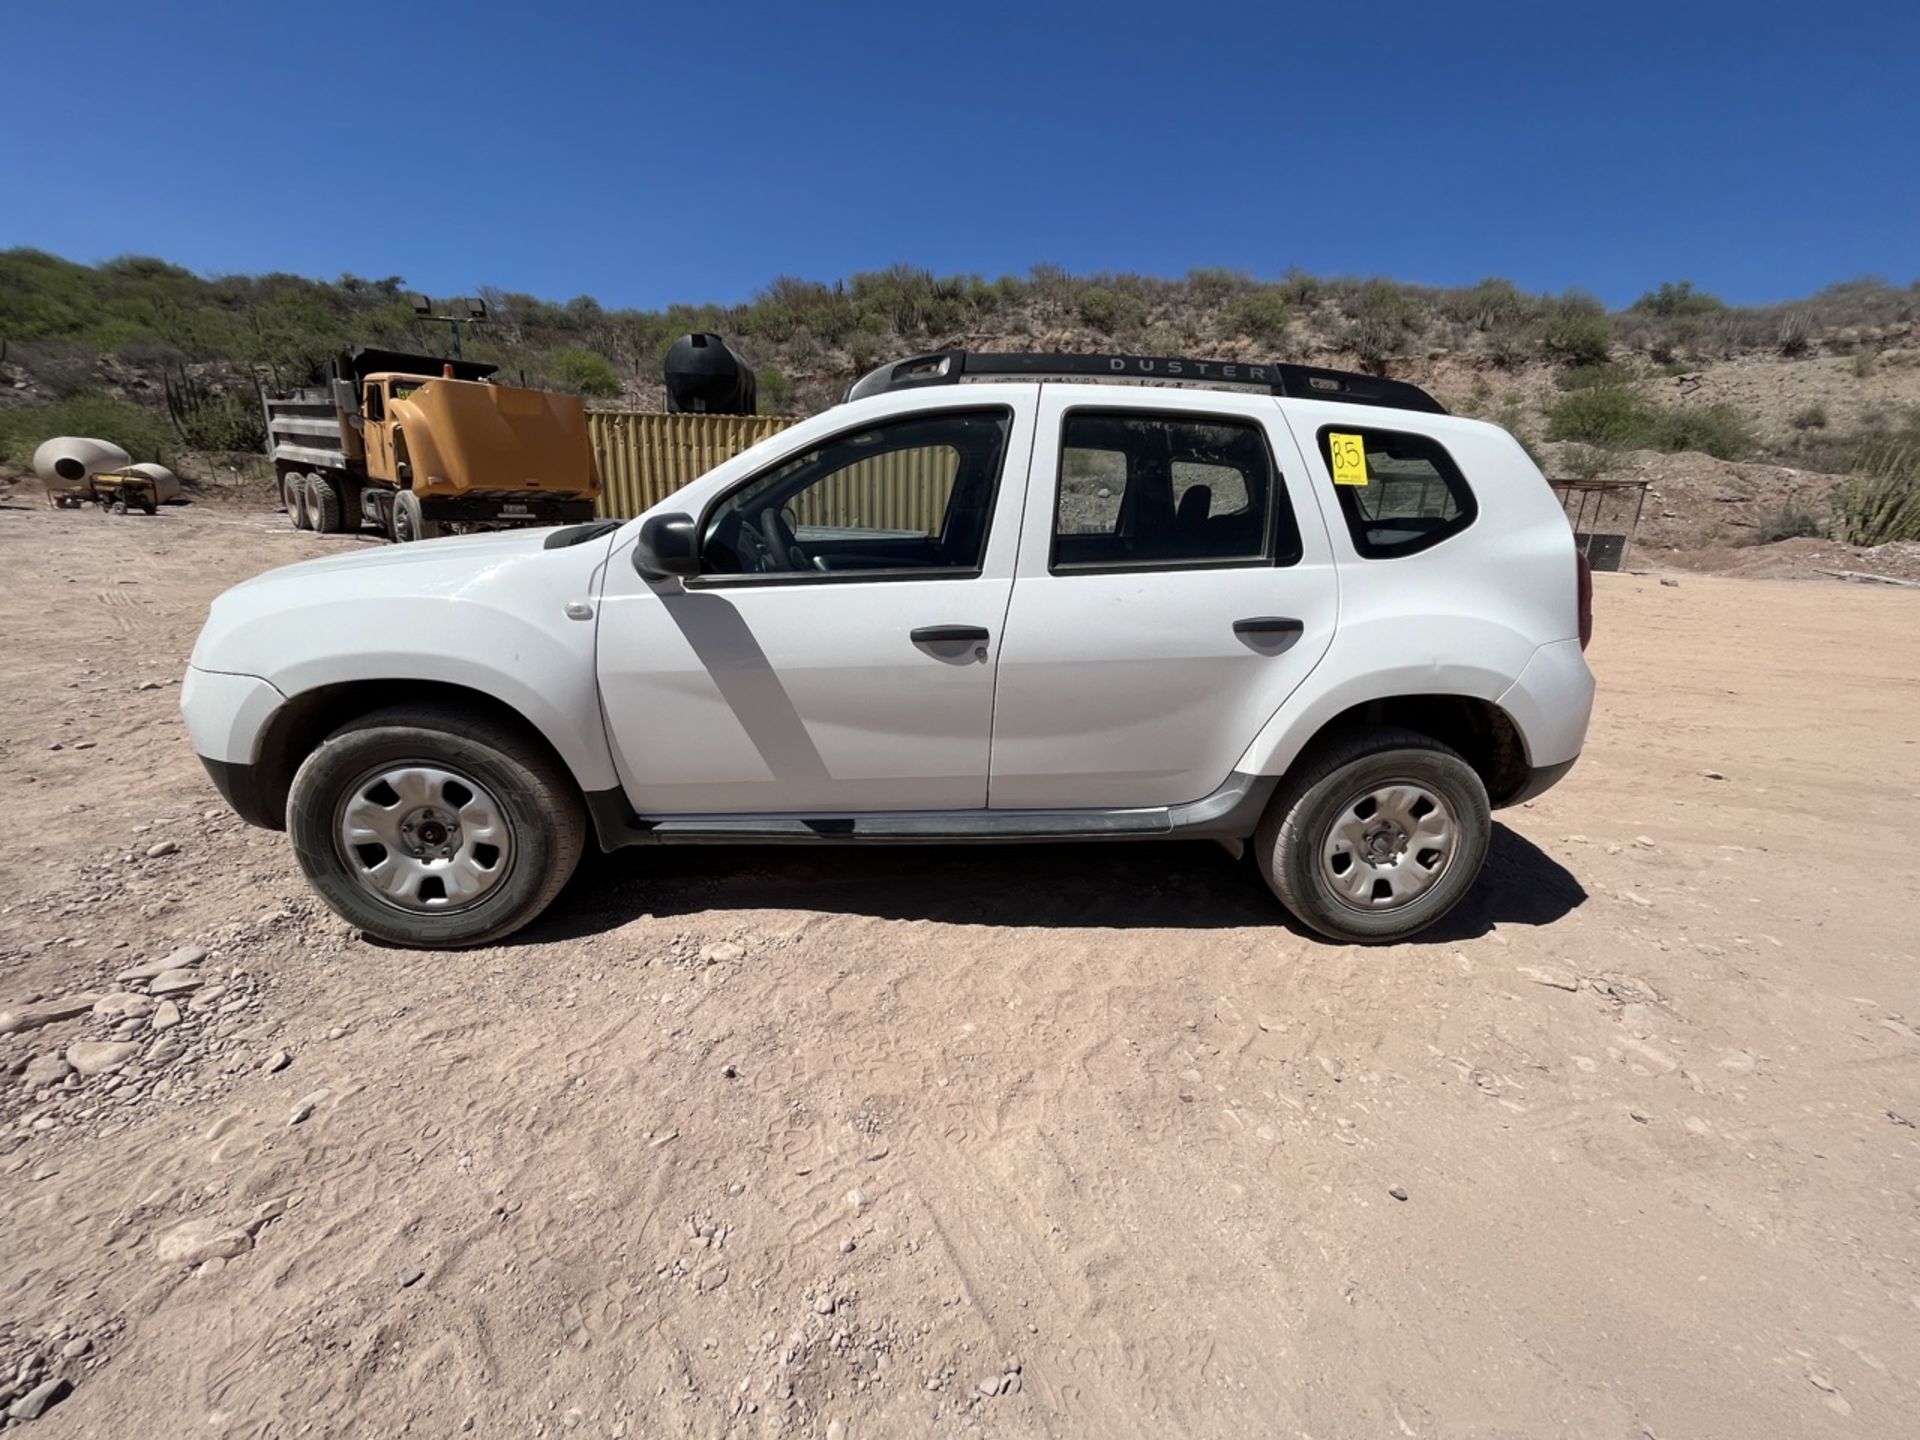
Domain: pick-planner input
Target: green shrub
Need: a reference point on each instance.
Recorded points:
(1607, 415)
(1882, 503)
(1301, 290)
(1585, 462)
(1490, 304)
(1674, 300)
(1620, 419)
(1795, 334)
(140, 432)
(1111, 312)
(1214, 283)
(1717, 430)
(1511, 343)
(1383, 317)
(1590, 377)
(1576, 336)
(775, 390)
(1792, 521)
(1258, 314)
(575, 368)
(1809, 417)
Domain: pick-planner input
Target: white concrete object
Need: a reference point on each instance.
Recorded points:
(166, 485)
(1297, 609)
(70, 459)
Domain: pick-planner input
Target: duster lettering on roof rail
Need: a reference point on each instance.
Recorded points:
(949, 367)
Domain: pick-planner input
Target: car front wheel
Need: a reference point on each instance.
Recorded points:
(1376, 836)
(431, 828)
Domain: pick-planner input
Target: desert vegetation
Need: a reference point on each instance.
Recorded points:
(166, 362)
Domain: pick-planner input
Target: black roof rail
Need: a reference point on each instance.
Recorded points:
(948, 367)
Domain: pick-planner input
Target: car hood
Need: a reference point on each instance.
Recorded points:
(446, 555)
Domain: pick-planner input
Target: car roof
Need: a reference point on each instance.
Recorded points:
(951, 367)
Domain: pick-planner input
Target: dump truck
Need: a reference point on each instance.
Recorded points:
(417, 445)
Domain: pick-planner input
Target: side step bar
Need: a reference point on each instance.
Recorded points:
(1229, 813)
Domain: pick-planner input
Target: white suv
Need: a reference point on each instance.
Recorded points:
(1298, 608)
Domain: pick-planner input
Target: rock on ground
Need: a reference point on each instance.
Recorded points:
(100, 1057)
(194, 1242)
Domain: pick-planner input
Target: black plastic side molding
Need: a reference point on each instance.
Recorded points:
(1229, 813)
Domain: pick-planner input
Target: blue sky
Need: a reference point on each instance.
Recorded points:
(644, 154)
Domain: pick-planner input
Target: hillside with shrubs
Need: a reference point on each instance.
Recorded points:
(1755, 424)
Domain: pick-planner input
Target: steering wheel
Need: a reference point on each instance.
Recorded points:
(782, 544)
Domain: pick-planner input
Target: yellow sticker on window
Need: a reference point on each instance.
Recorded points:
(1349, 454)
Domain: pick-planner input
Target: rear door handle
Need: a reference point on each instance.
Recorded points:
(1268, 625)
(950, 635)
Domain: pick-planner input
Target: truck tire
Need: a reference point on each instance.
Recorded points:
(1373, 837)
(428, 826)
(323, 505)
(410, 521)
(296, 500)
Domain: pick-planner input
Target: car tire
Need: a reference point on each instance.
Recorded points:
(519, 797)
(1340, 843)
(323, 505)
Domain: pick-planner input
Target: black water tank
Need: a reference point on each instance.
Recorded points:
(706, 375)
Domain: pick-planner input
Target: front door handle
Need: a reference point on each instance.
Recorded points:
(950, 635)
(1268, 625)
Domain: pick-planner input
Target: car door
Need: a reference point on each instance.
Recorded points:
(374, 430)
(837, 651)
(1175, 584)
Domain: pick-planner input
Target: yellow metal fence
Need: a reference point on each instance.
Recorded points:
(645, 458)
(903, 490)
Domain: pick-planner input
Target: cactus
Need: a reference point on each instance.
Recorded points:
(209, 419)
(1883, 502)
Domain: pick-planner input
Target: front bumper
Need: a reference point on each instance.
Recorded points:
(226, 715)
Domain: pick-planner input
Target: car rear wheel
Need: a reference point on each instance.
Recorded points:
(431, 828)
(1374, 837)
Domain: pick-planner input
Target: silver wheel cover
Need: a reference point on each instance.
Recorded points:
(423, 838)
(1389, 845)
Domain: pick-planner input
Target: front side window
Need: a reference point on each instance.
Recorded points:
(1162, 491)
(376, 403)
(912, 496)
(1400, 493)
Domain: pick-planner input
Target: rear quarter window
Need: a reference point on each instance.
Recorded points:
(1408, 497)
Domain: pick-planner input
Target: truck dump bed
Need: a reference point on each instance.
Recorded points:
(308, 429)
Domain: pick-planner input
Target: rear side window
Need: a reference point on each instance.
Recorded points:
(1400, 493)
(1148, 491)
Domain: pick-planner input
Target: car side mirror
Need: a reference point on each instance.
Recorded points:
(666, 546)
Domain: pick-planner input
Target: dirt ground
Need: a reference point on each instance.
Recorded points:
(1008, 1142)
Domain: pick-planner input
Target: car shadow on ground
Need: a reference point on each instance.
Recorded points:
(1171, 885)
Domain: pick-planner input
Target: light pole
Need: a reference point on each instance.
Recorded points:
(476, 314)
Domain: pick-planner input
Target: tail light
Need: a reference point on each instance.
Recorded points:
(1584, 572)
